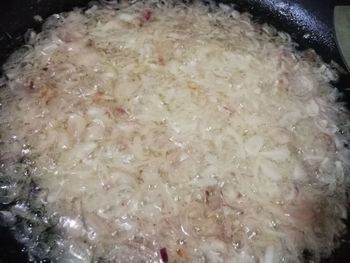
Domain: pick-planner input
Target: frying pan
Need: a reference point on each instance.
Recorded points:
(309, 22)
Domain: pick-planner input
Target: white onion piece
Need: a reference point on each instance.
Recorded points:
(278, 154)
(299, 172)
(76, 126)
(254, 144)
(312, 108)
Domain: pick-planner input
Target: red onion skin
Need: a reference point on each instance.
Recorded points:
(164, 255)
(147, 15)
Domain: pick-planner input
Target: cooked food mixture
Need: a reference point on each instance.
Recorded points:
(166, 132)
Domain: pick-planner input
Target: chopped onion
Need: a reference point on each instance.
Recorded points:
(162, 131)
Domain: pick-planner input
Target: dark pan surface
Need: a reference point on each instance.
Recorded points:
(308, 21)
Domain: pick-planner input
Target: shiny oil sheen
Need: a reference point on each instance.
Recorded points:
(308, 21)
